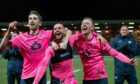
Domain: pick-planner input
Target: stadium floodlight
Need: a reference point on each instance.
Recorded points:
(123, 23)
(99, 31)
(106, 31)
(97, 27)
(130, 27)
(4, 29)
(130, 30)
(96, 24)
(131, 23)
(75, 27)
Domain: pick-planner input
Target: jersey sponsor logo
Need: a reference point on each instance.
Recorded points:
(91, 46)
(86, 53)
(65, 54)
(40, 36)
(87, 47)
(36, 46)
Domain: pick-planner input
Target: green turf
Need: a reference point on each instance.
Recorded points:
(78, 67)
(3, 65)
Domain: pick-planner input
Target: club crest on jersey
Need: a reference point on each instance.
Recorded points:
(91, 46)
(36, 46)
(40, 36)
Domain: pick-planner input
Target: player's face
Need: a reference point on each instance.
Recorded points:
(86, 26)
(33, 22)
(124, 31)
(58, 31)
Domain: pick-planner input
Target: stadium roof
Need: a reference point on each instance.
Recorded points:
(111, 22)
(76, 24)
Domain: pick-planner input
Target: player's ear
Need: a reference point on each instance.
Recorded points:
(39, 24)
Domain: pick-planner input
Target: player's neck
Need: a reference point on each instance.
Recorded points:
(34, 32)
(87, 36)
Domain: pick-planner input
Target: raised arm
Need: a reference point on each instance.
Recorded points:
(63, 45)
(5, 39)
(114, 53)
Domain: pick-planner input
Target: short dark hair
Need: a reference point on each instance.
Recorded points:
(60, 23)
(89, 18)
(36, 13)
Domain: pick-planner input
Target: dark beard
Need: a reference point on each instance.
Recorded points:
(59, 38)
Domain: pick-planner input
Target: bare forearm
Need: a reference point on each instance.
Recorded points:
(68, 34)
(6, 37)
(64, 42)
(66, 38)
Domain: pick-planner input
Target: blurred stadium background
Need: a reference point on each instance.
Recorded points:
(108, 16)
(107, 28)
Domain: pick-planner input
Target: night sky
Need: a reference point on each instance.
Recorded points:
(52, 10)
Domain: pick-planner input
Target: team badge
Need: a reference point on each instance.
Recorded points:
(40, 36)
